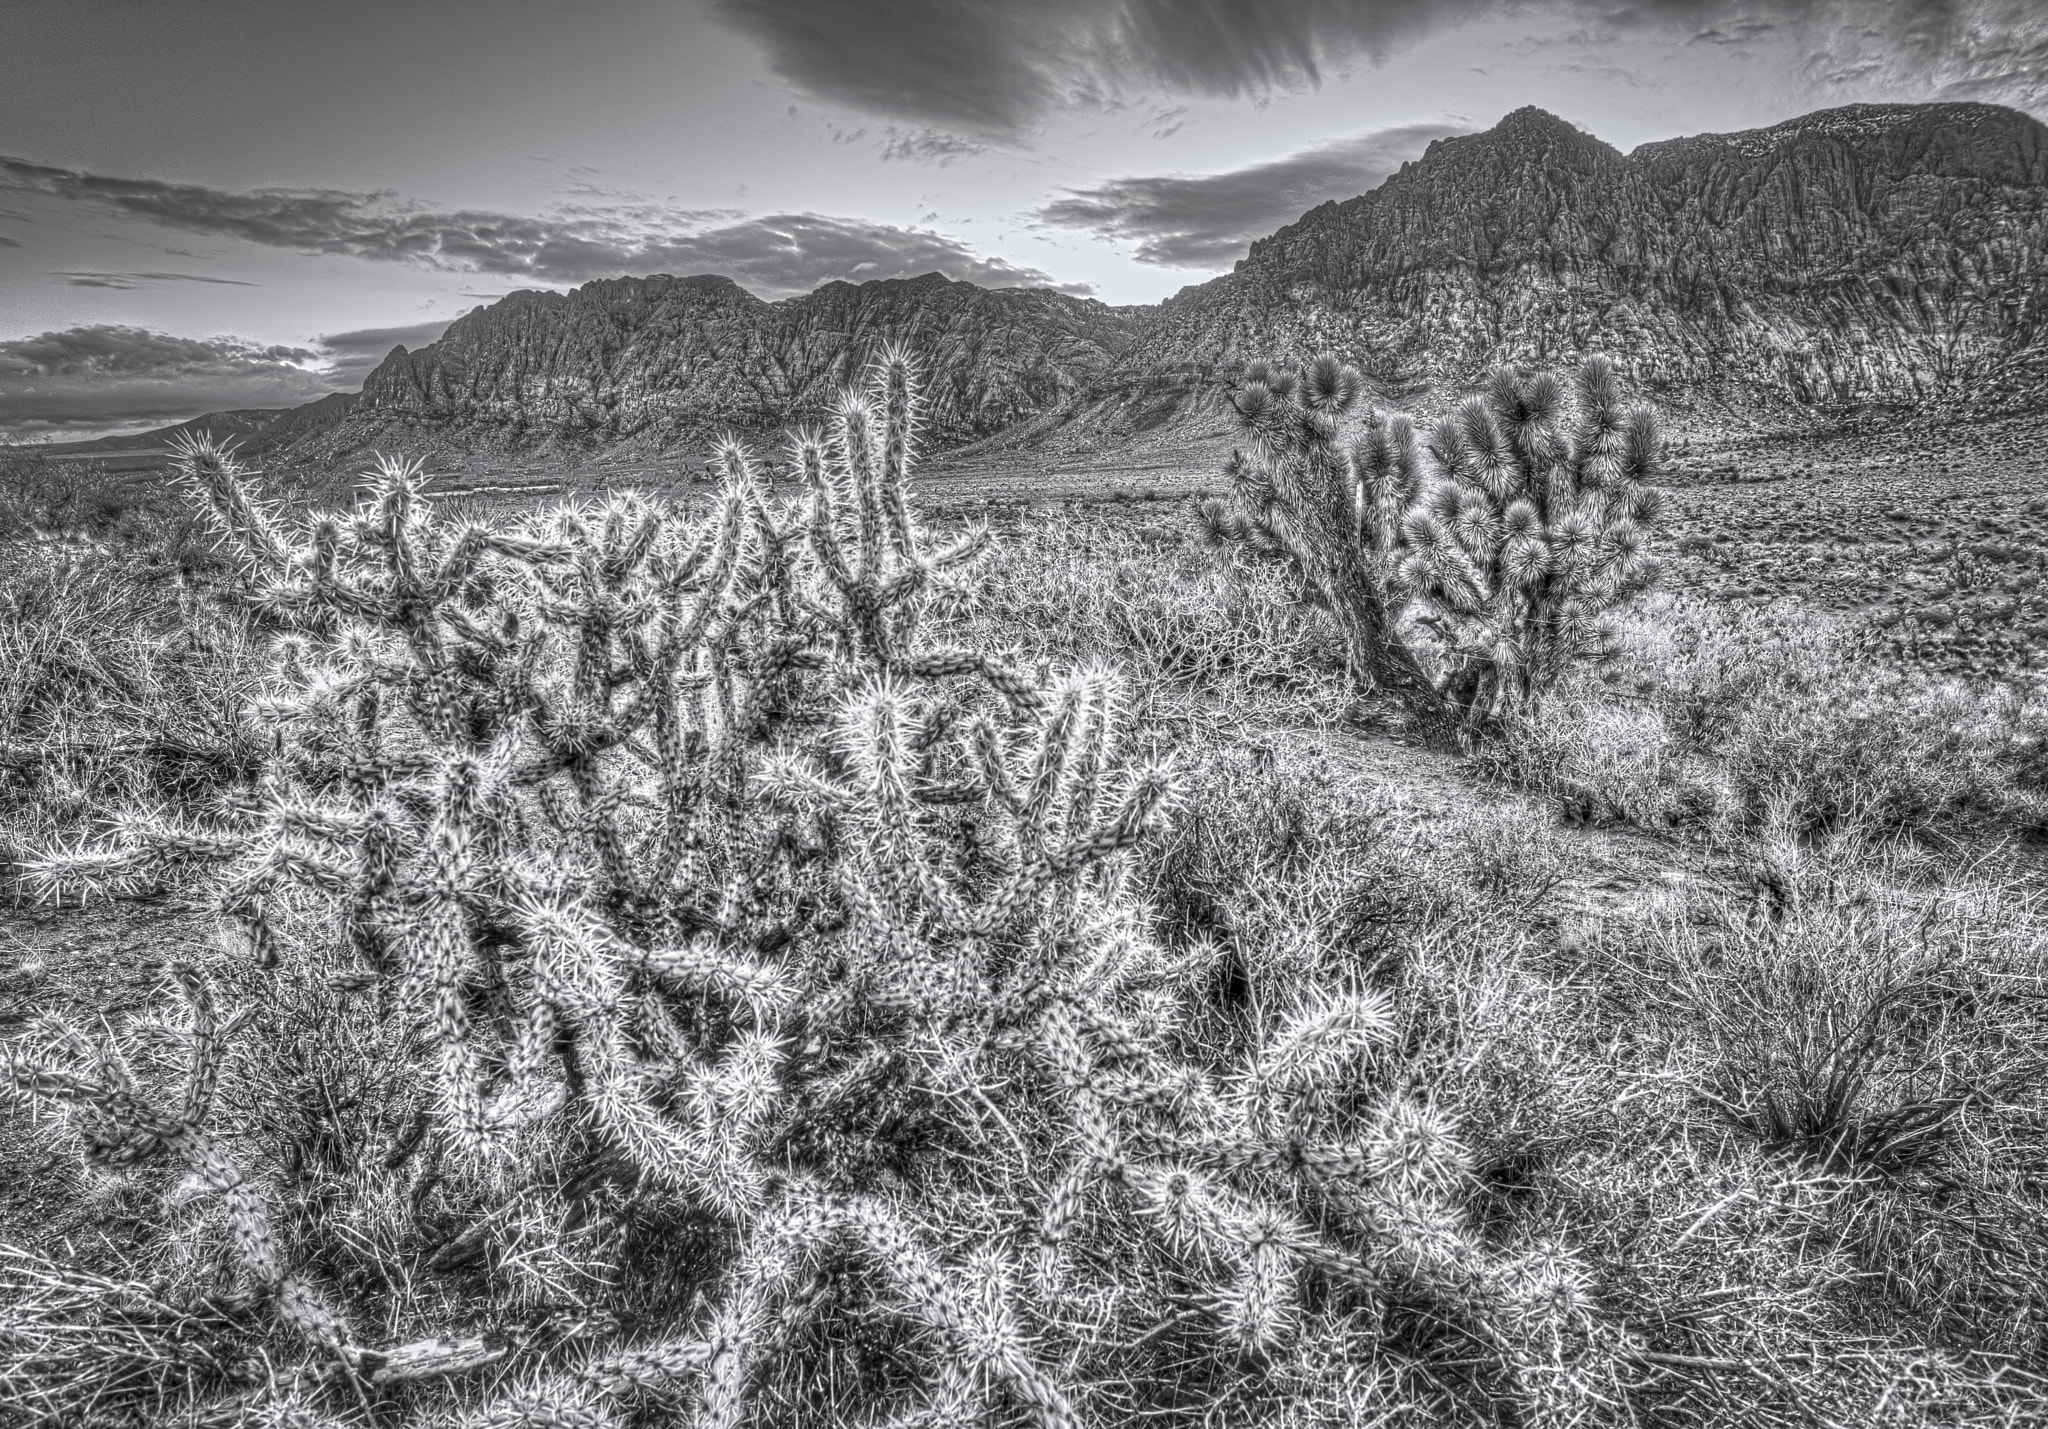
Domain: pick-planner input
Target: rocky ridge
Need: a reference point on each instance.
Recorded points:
(1874, 254)
(1878, 253)
(648, 363)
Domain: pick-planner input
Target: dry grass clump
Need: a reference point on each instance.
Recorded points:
(1727, 723)
(120, 682)
(81, 1348)
(1202, 641)
(1832, 1201)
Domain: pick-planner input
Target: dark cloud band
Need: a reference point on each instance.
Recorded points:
(97, 378)
(995, 66)
(776, 255)
(1207, 221)
(353, 355)
(992, 66)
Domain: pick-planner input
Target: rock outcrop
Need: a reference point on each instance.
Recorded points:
(654, 362)
(1878, 253)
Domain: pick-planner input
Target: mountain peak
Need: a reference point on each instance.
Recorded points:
(1531, 119)
(1521, 135)
(1714, 266)
(663, 360)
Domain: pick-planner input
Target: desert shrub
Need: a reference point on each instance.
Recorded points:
(121, 674)
(116, 690)
(1469, 590)
(1200, 641)
(1606, 762)
(1268, 876)
(665, 975)
(131, 514)
(1281, 872)
(1731, 722)
(1282, 868)
(1875, 1031)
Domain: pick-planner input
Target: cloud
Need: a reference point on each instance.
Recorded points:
(776, 255)
(110, 351)
(6, 242)
(142, 280)
(927, 146)
(986, 66)
(103, 377)
(794, 253)
(1991, 50)
(353, 355)
(1207, 221)
(994, 67)
(377, 342)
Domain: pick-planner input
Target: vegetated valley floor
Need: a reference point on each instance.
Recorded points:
(1933, 537)
(1934, 534)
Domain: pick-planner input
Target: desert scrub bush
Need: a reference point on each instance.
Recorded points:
(1279, 873)
(1858, 1057)
(116, 690)
(1280, 870)
(1467, 589)
(84, 504)
(120, 674)
(1733, 722)
(1199, 640)
(665, 975)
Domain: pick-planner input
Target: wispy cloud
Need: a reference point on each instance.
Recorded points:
(1993, 50)
(142, 280)
(927, 146)
(794, 253)
(103, 377)
(995, 67)
(775, 255)
(1206, 221)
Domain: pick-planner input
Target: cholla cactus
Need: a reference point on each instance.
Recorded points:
(1304, 499)
(122, 1127)
(673, 857)
(1469, 589)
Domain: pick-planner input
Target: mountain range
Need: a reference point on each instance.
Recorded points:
(1875, 254)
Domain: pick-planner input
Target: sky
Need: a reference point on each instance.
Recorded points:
(215, 204)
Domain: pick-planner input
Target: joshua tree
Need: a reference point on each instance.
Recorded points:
(1300, 499)
(1473, 590)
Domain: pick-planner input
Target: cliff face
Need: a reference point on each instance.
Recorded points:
(1888, 253)
(655, 361)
